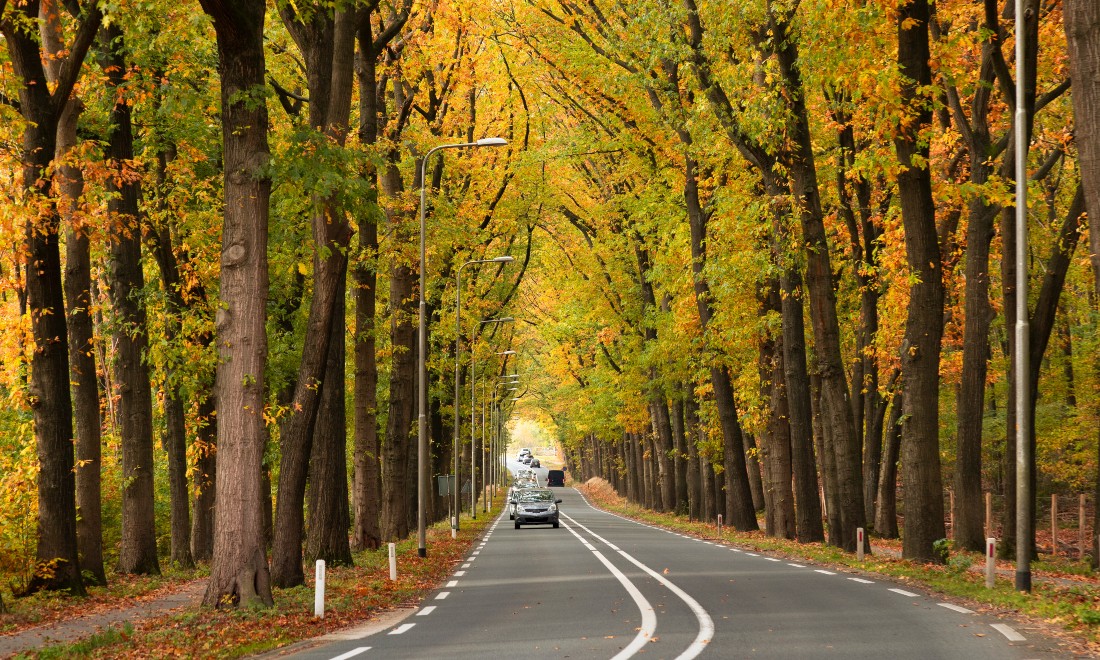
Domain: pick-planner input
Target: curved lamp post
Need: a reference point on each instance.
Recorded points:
(422, 343)
(458, 377)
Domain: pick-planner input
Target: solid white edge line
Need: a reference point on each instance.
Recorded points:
(1008, 632)
(956, 608)
(903, 592)
(649, 615)
(426, 611)
(706, 624)
(400, 630)
(352, 653)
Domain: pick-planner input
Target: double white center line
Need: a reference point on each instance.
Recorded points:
(706, 624)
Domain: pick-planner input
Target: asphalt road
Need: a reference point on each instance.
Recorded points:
(602, 586)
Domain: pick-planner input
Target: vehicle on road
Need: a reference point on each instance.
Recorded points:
(535, 506)
(526, 460)
(535, 462)
(555, 478)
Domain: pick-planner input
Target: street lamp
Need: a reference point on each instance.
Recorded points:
(473, 412)
(458, 361)
(497, 473)
(422, 369)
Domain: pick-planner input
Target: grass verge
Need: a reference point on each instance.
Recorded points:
(353, 594)
(1071, 608)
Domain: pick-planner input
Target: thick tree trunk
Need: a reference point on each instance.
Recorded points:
(367, 492)
(238, 571)
(400, 432)
(69, 182)
(797, 384)
(920, 362)
(56, 556)
(663, 446)
(82, 367)
(775, 444)
(1082, 22)
(835, 406)
(327, 43)
(138, 552)
(329, 516)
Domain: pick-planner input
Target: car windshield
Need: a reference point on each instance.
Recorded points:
(536, 496)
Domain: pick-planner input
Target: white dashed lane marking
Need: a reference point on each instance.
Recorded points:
(352, 653)
(861, 580)
(903, 592)
(956, 608)
(400, 630)
(1008, 632)
(442, 594)
(823, 571)
(426, 611)
(452, 583)
(796, 565)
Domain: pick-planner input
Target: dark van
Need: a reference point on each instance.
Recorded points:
(555, 477)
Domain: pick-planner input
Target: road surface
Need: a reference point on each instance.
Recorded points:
(603, 586)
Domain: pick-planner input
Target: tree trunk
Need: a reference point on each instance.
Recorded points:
(752, 466)
(400, 431)
(775, 444)
(1082, 23)
(138, 552)
(691, 439)
(206, 479)
(681, 459)
(238, 571)
(920, 362)
(69, 182)
(663, 446)
(327, 44)
(796, 381)
(82, 367)
(367, 493)
(886, 512)
(57, 564)
(329, 517)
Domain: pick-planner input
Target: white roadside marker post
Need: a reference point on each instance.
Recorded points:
(393, 561)
(719, 526)
(990, 562)
(859, 544)
(319, 590)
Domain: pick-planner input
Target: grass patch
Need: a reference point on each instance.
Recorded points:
(1074, 607)
(352, 595)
